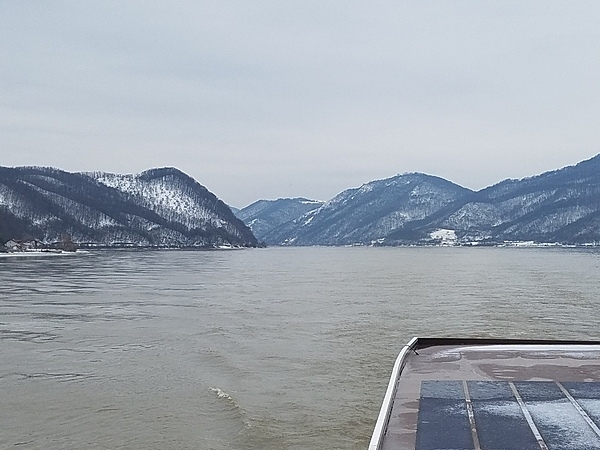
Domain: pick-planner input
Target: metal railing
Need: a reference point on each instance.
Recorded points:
(388, 399)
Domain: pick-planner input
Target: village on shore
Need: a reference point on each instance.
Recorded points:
(37, 246)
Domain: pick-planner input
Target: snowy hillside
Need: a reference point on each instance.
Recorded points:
(371, 212)
(159, 207)
(263, 216)
(560, 206)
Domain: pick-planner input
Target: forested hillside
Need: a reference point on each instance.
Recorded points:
(561, 206)
(159, 207)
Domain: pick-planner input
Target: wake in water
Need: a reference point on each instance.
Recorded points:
(224, 395)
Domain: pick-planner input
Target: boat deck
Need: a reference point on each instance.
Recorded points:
(484, 394)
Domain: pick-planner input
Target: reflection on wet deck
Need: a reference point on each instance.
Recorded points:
(494, 397)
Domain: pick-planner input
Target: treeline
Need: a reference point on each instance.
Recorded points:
(47, 203)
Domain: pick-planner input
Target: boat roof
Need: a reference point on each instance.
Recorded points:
(492, 394)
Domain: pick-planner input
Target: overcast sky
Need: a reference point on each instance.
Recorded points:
(267, 99)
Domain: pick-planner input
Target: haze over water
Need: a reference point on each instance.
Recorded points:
(279, 348)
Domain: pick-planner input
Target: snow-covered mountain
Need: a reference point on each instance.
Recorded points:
(159, 207)
(165, 207)
(370, 212)
(263, 216)
(559, 206)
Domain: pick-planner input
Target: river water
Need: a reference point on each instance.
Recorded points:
(279, 348)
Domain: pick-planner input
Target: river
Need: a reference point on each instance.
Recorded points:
(278, 348)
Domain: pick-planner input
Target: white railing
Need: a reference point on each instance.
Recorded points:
(388, 399)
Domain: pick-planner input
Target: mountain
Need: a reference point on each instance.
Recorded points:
(371, 212)
(263, 216)
(167, 208)
(558, 206)
(159, 207)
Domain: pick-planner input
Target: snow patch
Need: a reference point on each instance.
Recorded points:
(309, 220)
(447, 237)
(560, 420)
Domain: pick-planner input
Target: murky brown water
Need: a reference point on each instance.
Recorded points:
(283, 348)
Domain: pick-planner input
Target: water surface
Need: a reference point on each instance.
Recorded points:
(282, 348)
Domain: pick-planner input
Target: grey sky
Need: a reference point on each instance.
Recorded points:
(266, 99)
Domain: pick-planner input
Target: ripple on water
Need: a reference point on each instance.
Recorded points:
(268, 349)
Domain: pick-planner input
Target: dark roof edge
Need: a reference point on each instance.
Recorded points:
(424, 342)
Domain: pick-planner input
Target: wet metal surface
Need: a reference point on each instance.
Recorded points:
(497, 397)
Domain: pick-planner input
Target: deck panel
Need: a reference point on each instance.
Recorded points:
(560, 423)
(498, 415)
(587, 394)
(443, 420)
(460, 396)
